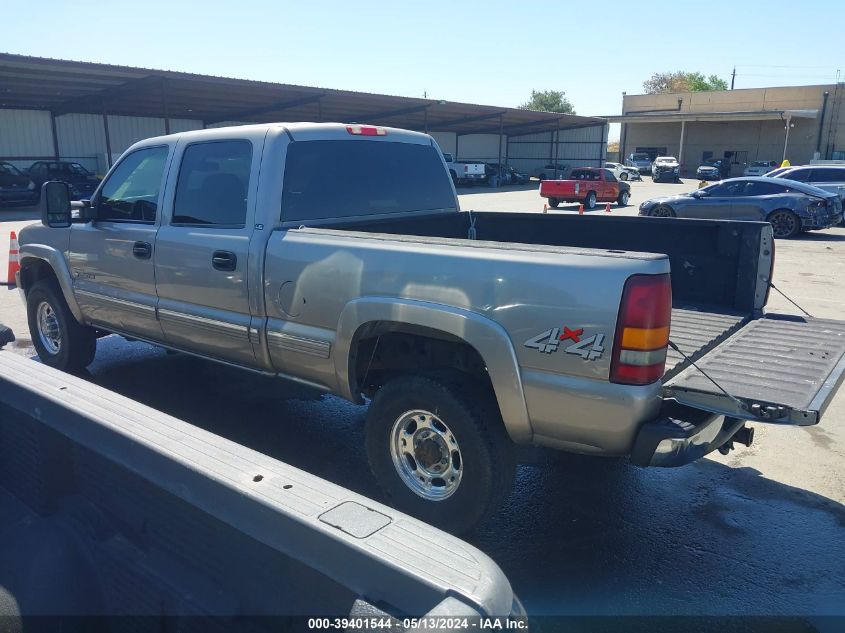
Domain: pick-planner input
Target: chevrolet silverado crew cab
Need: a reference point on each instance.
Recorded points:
(337, 255)
(588, 185)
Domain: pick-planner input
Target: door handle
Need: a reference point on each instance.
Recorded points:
(224, 260)
(142, 250)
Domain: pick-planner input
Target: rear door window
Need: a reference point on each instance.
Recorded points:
(338, 179)
(212, 185)
(801, 175)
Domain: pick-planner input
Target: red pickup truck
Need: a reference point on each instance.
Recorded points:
(588, 185)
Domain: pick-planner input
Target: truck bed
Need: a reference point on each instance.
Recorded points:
(714, 264)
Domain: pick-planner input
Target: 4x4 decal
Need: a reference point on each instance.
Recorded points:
(589, 348)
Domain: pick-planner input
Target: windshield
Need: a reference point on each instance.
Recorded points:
(639, 157)
(11, 170)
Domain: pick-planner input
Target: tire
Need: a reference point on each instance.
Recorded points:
(662, 211)
(554, 203)
(623, 176)
(541, 177)
(486, 463)
(590, 200)
(60, 340)
(785, 224)
(623, 198)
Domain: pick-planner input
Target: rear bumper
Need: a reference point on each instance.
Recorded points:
(680, 436)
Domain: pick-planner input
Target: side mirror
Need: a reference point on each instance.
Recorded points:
(55, 204)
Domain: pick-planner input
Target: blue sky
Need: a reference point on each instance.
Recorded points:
(479, 51)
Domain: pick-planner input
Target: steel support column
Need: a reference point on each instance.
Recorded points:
(55, 136)
(681, 145)
(500, 147)
(108, 137)
(165, 105)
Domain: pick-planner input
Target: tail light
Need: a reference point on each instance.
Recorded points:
(366, 130)
(642, 330)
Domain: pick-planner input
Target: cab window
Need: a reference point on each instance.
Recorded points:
(131, 192)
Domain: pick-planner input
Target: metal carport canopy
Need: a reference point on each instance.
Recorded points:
(62, 86)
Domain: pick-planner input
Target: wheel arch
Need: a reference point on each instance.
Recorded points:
(365, 318)
(40, 262)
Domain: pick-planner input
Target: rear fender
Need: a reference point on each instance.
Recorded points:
(487, 337)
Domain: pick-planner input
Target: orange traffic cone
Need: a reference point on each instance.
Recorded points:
(14, 259)
(607, 208)
(580, 209)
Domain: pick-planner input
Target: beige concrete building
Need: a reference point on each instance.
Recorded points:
(795, 122)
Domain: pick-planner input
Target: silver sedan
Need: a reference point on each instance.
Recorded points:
(790, 206)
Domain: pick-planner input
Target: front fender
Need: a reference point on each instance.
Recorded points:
(56, 260)
(487, 337)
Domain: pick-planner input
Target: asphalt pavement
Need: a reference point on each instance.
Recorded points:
(760, 531)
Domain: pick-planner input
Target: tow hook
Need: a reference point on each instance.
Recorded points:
(744, 436)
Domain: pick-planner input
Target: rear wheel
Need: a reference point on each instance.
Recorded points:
(623, 198)
(554, 202)
(590, 200)
(542, 176)
(785, 224)
(663, 211)
(623, 175)
(438, 448)
(60, 340)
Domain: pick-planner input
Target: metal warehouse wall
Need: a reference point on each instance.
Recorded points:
(25, 134)
(446, 141)
(579, 147)
(482, 147)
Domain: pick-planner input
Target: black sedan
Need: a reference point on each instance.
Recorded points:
(15, 187)
(790, 206)
(82, 182)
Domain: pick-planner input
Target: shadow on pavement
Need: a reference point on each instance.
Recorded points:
(579, 535)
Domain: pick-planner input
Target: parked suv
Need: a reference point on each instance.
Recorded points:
(713, 169)
(666, 169)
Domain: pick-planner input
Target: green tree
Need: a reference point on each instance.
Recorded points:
(548, 101)
(681, 81)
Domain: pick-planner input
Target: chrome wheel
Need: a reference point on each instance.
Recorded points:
(426, 455)
(784, 224)
(48, 328)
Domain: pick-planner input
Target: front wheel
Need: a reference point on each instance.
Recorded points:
(785, 224)
(554, 203)
(439, 450)
(60, 340)
(623, 198)
(663, 212)
(590, 200)
(623, 176)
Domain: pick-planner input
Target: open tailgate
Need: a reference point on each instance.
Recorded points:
(781, 369)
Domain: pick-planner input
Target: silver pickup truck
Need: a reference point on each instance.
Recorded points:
(337, 256)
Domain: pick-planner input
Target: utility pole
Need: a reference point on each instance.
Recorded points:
(733, 77)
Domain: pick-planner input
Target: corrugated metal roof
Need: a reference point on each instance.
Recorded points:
(63, 86)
